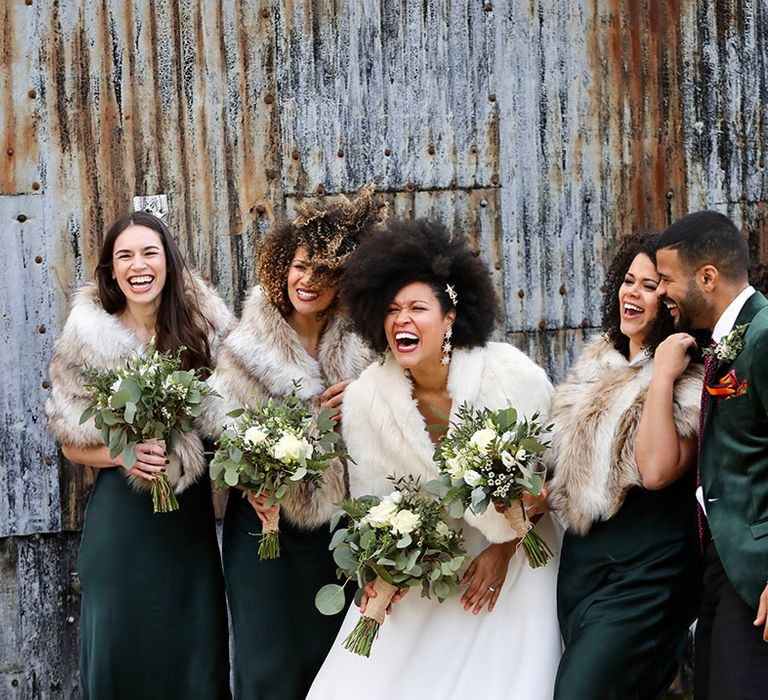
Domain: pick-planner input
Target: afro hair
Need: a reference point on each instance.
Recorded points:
(419, 250)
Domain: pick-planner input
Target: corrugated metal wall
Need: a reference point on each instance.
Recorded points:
(544, 128)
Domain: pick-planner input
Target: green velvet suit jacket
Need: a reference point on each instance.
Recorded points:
(734, 459)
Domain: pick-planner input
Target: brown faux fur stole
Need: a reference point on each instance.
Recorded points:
(595, 413)
(263, 358)
(96, 339)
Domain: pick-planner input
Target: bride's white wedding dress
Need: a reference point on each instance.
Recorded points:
(427, 649)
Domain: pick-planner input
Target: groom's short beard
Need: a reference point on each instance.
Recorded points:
(694, 305)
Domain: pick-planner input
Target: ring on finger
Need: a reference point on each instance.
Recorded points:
(491, 589)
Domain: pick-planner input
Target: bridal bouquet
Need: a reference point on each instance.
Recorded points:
(398, 541)
(489, 457)
(271, 448)
(147, 398)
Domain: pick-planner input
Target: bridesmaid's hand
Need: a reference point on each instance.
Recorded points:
(257, 503)
(534, 505)
(486, 575)
(333, 396)
(762, 613)
(369, 592)
(150, 461)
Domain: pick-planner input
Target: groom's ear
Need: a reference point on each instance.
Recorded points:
(707, 278)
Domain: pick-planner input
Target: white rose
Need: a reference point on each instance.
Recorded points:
(471, 477)
(289, 448)
(405, 521)
(507, 459)
(395, 497)
(442, 529)
(116, 385)
(254, 435)
(455, 466)
(381, 515)
(482, 438)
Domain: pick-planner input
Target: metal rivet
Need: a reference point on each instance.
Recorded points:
(761, 164)
(454, 183)
(38, 259)
(35, 186)
(409, 186)
(497, 266)
(269, 99)
(387, 152)
(70, 620)
(492, 97)
(15, 681)
(46, 384)
(521, 293)
(562, 290)
(261, 209)
(320, 190)
(295, 154)
(264, 13)
(473, 149)
(483, 202)
(431, 149)
(21, 218)
(670, 194)
(41, 329)
(494, 179)
(10, 151)
(27, 2)
(48, 461)
(587, 198)
(270, 173)
(488, 7)
(743, 196)
(585, 323)
(542, 325)
(340, 153)
(32, 94)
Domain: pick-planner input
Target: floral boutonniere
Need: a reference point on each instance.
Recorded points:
(728, 349)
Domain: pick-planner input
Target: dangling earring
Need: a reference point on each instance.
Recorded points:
(447, 347)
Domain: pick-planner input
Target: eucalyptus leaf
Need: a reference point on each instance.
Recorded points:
(330, 599)
(337, 538)
(344, 559)
(87, 413)
(120, 398)
(404, 541)
(299, 474)
(231, 477)
(130, 412)
(456, 509)
(437, 487)
(129, 455)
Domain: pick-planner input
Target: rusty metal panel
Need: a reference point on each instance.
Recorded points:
(29, 489)
(19, 98)
(556, 351)
(388, 91)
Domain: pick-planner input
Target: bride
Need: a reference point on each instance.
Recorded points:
(425, 302)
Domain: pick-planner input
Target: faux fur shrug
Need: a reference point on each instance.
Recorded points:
(595, 413)
(262, 358)
(96, 339)
(386, 435)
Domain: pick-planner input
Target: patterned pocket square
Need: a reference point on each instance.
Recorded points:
(729, 387)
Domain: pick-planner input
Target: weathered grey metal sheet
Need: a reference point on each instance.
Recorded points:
(39, 611)
(29, 488)
(388, 91)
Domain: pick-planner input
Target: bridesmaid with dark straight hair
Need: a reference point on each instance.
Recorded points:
(153, 613)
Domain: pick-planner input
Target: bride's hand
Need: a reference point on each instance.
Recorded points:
(486, 575)
(370, 592)
(150, 460)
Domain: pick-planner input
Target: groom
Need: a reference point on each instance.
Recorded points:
(703, 262)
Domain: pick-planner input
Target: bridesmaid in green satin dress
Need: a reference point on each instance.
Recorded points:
(624, 444)
(153, 612)
(291, 332)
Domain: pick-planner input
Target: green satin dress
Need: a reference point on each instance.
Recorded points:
(281, 640)
(153, 613)
(627, 593)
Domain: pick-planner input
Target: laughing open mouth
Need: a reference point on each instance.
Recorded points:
(140, 283)
(405, 341)
(306, 294)
(632, 310)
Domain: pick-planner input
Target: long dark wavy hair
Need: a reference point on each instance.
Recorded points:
(179, 319)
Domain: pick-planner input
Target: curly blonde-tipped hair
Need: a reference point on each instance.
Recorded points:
(329, 234)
